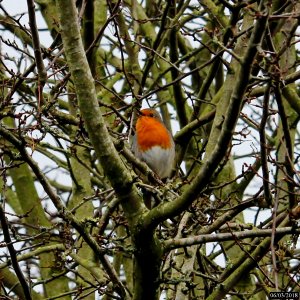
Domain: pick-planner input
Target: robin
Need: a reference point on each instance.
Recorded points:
(153, 143)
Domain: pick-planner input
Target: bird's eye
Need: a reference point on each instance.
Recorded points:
(151, 115)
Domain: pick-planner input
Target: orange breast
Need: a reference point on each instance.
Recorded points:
(150, 132)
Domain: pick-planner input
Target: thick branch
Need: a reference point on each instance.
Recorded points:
(288, 143)
(263, 146)
(33, 253)
(291, 78)
(179, 98)
(36, 43)
(167, 210)
(63, 212)
(112, 165)
(245, 263)
(183, 136)
(230, 236)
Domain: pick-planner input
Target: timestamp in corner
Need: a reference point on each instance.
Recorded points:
(284, 295)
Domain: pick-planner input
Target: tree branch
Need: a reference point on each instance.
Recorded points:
(170, 209)
(62, 210)
(36, 252)
(246, 262)
(289, 145)
(36, 42)
(13, 254)
(112, 165)
(230, 236)
(42, 74)
(263, 146)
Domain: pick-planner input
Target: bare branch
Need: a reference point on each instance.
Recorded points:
(230, 236)
(13, 254)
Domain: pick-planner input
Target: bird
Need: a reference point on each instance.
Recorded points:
(153, 143)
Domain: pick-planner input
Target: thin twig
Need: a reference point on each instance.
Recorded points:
(13, 254)
(42, 74)
(63, 211)
(274, 215)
